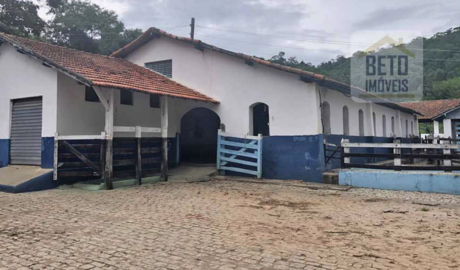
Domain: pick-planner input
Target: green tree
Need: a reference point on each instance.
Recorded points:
(447, 89)
(85, 26)
(20, 17)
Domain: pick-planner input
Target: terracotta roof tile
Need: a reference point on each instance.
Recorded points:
(432, 108)
(106, 71)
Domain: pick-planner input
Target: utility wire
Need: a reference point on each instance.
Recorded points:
(302, 39)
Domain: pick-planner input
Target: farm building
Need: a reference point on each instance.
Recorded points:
(181, 90)
(440, 113)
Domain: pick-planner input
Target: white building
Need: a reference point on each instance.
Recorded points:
(294, 109)
(443, 115)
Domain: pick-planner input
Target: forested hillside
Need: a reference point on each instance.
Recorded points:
(441, 65)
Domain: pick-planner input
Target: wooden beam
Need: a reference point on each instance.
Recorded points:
(81, 157)
(102, 97)
(164, 138)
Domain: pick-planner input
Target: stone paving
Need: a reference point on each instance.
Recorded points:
(228, 225)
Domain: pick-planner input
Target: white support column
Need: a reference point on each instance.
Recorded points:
(164, 138)
(109, 121)
(435, 128)
(448, 131)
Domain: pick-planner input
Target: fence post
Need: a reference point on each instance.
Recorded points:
(447, 161)
(397, 151)
(344, 151)
(218, 151)
(138, 158)
(56, 156)
(259, 157)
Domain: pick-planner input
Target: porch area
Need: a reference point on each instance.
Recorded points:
(126, 135)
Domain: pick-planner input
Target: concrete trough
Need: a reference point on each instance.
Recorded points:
(431, 182)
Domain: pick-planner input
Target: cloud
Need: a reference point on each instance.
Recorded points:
(314, 30)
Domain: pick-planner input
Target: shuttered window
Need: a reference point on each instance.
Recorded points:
(154, 101)
(126, 97)
(162, 67)
(90, 95)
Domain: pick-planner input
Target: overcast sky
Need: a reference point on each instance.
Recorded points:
(313, 30)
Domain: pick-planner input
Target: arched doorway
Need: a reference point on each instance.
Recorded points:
(198, 139)
(260, 119)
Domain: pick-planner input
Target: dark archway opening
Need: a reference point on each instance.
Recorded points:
(198, 140)
(261, 119)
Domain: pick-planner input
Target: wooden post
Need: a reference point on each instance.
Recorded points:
(259, 157)
(218, 151)
(345, 150)
(397, 160)
(447, 161)
(56, 156)
(138, 156)
(109, 121)
(164, 139)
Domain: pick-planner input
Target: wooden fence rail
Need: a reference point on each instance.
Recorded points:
(444, 152)
(241, 154)
(85, 157)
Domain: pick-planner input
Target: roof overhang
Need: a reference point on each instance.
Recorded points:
(78, 77)
(441, 116)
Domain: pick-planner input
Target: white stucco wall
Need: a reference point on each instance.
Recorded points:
(293, 105)
(23, 77)
(337, 101)
(79, 117)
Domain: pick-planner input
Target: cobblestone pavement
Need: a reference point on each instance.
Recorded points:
(228, 225)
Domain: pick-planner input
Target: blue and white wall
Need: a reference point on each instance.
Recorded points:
(294, 149)
(23, 77)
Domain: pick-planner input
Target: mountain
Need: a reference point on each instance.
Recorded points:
(441, 65)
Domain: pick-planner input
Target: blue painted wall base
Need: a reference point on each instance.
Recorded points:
(42, 182)
(4, 152)
(432, 182)
(293, 157)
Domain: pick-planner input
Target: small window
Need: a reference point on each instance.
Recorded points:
(90, 95)
(407, 129)
(374, 121)
(346, 121)
(326, 118)
(162, 67)
(384, 125)
(361, 122)
(126, 97)
(154, 101)
(393, 126)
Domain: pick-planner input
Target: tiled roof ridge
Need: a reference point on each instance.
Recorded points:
(57, 46)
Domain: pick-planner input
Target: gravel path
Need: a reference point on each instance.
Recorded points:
(228, 225)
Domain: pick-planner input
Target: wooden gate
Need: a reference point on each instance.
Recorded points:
(241, 154)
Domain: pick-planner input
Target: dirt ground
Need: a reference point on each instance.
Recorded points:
(228, 225)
